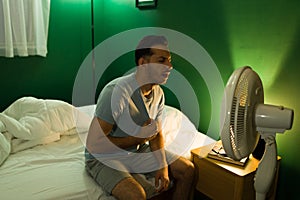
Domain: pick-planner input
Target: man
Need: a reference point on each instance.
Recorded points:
(125, 137)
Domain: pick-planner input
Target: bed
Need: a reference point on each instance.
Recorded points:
(42, 146)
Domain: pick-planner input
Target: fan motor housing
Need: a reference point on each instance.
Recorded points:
(273, 119)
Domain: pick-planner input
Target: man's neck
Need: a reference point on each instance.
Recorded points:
(146, 89)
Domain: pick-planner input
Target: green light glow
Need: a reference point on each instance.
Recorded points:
(260, 36)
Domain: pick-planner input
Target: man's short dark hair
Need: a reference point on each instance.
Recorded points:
(144, 46)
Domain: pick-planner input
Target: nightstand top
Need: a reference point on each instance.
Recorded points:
(249, 167)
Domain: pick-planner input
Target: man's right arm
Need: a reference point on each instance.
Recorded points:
(99, 140)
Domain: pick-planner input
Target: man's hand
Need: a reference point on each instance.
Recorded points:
(149, 130)
(162, 180)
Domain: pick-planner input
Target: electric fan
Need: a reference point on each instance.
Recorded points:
(245, 117)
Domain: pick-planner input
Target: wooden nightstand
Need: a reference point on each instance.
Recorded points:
(220, 180)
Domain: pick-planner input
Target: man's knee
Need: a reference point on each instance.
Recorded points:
(190, 170)
(183, 169)
(129, 189)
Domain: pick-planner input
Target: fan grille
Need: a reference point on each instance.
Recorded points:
(238, 119)
(245, 92)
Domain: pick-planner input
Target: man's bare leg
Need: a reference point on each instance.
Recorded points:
(183, 171)
(129, 188)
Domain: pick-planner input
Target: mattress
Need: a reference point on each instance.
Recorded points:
(55, 170)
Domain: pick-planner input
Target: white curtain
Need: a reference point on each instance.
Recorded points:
(24, 27)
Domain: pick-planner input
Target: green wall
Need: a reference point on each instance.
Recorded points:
(260, 33)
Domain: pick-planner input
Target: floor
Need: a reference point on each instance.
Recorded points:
(200, 196)
(168, 196)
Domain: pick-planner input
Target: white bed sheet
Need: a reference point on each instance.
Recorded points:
(52, 171)
(56, 170)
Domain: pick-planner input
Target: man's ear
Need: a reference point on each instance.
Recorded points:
(142, 61)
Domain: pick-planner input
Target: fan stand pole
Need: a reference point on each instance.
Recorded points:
(267, 167)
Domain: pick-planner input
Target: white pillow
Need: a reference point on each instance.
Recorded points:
(181, 135)
(29, 118)
(35, 121)
(83, 117)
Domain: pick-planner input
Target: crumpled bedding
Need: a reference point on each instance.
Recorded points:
(29, 121)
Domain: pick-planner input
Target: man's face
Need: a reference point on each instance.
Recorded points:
(159, 64)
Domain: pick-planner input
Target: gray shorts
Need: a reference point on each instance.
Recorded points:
(108, 177)
(105, 176)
